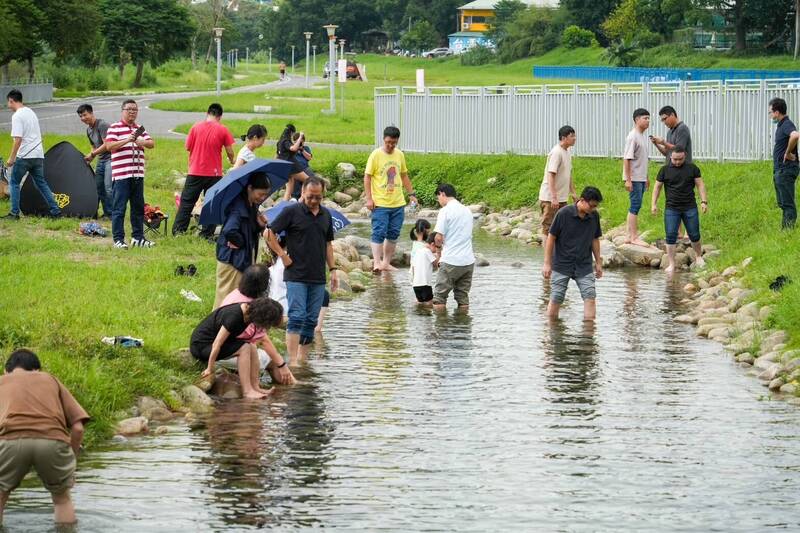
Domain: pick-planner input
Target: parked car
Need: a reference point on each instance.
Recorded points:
(352, 70)
(437, 52)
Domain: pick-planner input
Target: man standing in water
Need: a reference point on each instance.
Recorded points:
(457, 263)
(385, 197)
(309, 236)
(679, 178)
(557, 185)
(784, 161)
(574, 237)
(634, 171)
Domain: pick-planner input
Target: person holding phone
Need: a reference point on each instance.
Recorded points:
(127, 141)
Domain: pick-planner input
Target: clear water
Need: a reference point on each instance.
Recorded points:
(495, 421)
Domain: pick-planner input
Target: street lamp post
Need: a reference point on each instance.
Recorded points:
(270, 59)
(292, 59)
(331, 29)
(341, 48)
(308, 35)
(218, 38)
(314, 48)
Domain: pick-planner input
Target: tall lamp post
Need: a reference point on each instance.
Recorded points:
(292, 59)
(341, 48)
(308, 35)
(218, 38)
(270, 59)
(331, 29)
(314, 49)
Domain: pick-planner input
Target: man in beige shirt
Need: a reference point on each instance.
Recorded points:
(634, 171)
(557, 185)
(41, 427)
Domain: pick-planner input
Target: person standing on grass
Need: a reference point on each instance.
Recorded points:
(385, 166)
(96, 130)
(27, 155)
(457, 262)
(574, 238)
(557, 184)
(634, 171)
(205, 143)
(41, 427)
(126, 141)
(679, 179)
(784, 161)
(678, 134)
(309, 237)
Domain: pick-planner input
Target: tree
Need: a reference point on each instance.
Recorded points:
(505, 12)
(441, 14)
(534, 31)
(146, 31)
(421, 36)
(796, 28)
(22, 41)
(76, 36)
(590, 14)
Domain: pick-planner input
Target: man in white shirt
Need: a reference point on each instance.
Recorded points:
(27, 156)
(557, 185)
(634, 171)
(454, 223)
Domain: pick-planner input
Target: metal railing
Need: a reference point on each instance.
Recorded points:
(642, 75)
(728, 120)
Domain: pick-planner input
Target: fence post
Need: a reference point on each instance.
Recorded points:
(722, 95)
(482, 121)
(762, 101)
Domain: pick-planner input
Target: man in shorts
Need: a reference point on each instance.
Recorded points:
(634, 171)
(557, 185)
(574, 238)
(41, 426)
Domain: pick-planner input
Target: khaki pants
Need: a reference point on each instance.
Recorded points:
(453, 278)
(548, 215)
(227, 281)
(53, 460)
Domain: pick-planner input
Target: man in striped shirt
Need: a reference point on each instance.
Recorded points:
(127, 141)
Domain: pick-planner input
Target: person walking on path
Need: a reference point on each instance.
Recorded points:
(254, 139)
(784, 161)
(309, 236)
(237, 244)
(127, 141)
(41, 427)
(457, 261)
(574, 238)
(27, 155)
(96, 131)
(678, 134)
(679, 179)
(557, 184)
(634, 171)
(205, 143)
(282, 69)
(385, 197)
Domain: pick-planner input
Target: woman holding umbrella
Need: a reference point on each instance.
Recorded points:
(237, 244)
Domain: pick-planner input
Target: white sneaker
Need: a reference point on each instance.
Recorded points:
(142, 243)
(121, 244)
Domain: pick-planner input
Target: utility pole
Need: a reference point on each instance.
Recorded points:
(331, 29)
(218, 38)
(308, 35)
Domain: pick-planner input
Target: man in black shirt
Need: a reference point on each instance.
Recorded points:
(574, 237)
(784, 161)
(309, 236)
(678, 179)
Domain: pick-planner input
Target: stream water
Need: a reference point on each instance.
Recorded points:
(493, 421)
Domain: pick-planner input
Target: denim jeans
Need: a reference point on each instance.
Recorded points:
(35, 170)
(124, 190)
(387, 223)
(305, 301)
(635, 196)
(102, 180)
(785, 178)
(691, 221)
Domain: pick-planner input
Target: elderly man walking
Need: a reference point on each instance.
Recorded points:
(205, 143)
(784, 161)
(457, 263)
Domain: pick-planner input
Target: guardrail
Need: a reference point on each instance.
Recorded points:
(32, 93)
(641, 75)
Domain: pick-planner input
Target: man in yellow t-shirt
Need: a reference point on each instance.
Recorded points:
(385, 167)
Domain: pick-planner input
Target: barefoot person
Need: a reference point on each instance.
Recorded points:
(634, 171)
(385, 198)
(679, 179)
(216, 338)
(574, 237)
(557, 185)
(41, 427)
(457, 262)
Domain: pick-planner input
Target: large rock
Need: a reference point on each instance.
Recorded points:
(158, 414)
(346, 171)
(361, 244)
(146, 403)
(132, 426)
(196, 400)
(477, 208)
(640, 255)
(227, 386)
(342, 198)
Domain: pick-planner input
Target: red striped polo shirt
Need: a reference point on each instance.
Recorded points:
(128, 161)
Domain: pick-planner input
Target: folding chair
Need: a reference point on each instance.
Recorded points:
(158, 225)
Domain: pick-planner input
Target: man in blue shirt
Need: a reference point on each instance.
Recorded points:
(784, 161)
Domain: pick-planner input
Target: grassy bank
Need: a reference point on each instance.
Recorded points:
(61, 292)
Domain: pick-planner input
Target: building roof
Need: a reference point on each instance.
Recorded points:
(489, 4)
(468, 34)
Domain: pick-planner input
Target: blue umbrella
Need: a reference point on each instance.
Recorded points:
(339, 220)
(221, 194)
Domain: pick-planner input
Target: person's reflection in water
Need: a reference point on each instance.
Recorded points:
(635, 326)
(387, 330)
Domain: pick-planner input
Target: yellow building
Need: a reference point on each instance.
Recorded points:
(475, 19)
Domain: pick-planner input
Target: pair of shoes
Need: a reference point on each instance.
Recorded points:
(121, 244)
(190, 270)
(142, 243)
(10, 216)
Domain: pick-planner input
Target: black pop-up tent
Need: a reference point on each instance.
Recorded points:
(70, 179)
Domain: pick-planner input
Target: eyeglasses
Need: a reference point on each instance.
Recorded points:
(313, 196)
(130, 109)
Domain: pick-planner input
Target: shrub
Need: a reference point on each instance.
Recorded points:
(648, 39)
(98, 81)
(477, 55)
(62, 78)
(576, 37)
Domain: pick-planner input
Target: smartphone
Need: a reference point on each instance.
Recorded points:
(138, 132)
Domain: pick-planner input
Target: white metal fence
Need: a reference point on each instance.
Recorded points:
(728, 120)
(32, 93)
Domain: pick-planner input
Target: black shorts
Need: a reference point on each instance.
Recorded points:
(229, 348)
(424, 293)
